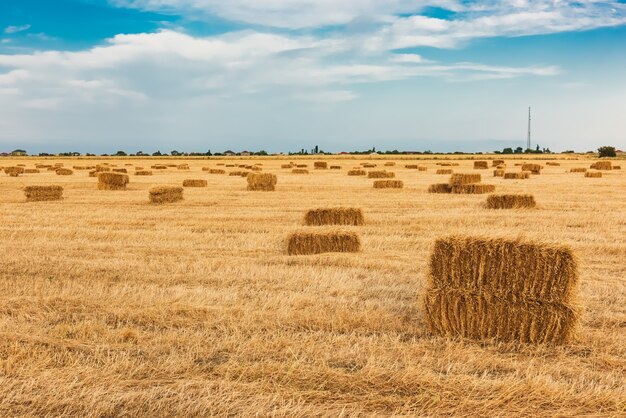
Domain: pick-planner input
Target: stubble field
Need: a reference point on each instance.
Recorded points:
(112, 306)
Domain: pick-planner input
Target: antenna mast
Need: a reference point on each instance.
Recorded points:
(528, 138)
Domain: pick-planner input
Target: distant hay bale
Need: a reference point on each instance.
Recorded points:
(112, 181)
(93, 173)
(182, 166)
(307, 243)
(262, 182)
(496, 163)
(299, 171)
(217, 171)
(390, 164)
(320, 165)
(102, 168)
(165, 194)
(501, 167)
(368, 165)
(388, 184)
(449, 164)
(533, 168)
(42, 166)
(444, 171)
(256, 168)
(552, 163)
(302, 165)
(335, 167)
(194, 183)
(58, 165)
(498, 173)
(172, 165)
(219, 164)
(230, 165)
(440, 188)
(206, 168)
(616, 167)
(510, 201)
(602, 165)
(481, 165)
(459, 179)
(357, 172)
(14, 171)
(594, 174)
(334, 216)
(421, 168)
(120, 170)
(508, 290)
(411, 166)
(143, 173)
(137, 168)
(31, 171)
(159, 167)
(64, 172)
(473, 188)
(239, 173)
(43, 193)
(380, 175)
(577, 170)
(285, 166)
(520, 175)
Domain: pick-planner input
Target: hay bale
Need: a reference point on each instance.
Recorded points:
(299, 171)
(261, 182)
(520, 175)
(43, 193)
(444, 171)
(64, 172)
(120, 170)
(533, 168)
(357, 172)
(389, 164)
(510, 201)
(194, 183)
(380, 175)
(256, 168)
(335, 167)
(368, 165)
(481, 165)
(440, 188)
(285, 166)
(302, 165)
(14, 171)
(593, 174)
(306, 243)
(449, 164)
(143, 173)
(165, 194)
(602, 165)
(112, 181)
(102, 168)
(334, 216)
(388, 184)
(31, 171)
(460, 179)
(552, 163)
(578, 170)
(616, 167)
(93, 173)
(58, 165)
(217, 171)
(159, 167)
(473, 188)
(320, 165)
(182, 166)
(239, 173)
(498, 173)
(411, 166)
(230, 165)
(496, 163)
(219, 164)
(421, 168)
(504, 289)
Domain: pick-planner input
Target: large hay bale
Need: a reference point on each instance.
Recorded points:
(112, 181)
(194, 183)
(299, 171)
(388, 184)
(261, 182)
(440, 188)
(357, 172)
(578, 170)
(533, 168)
(459, 179)
(64, 172)
(510, 201)
(496, 163)
(320, 165)
(519, 175)
(481, 165)
(473, 188)
(43, 193)
(444, 171)
(593, 174)
(305, 243)
(504, 289)
(498, 173)
(381, 174)
(165, 194)
(602, 165)
(14, 171)
(143, 173)
(334, 216)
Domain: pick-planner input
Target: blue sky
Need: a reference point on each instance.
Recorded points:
(280, 75)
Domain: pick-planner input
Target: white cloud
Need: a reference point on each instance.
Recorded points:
(16, 29)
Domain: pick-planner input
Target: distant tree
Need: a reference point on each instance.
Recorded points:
(156, 154)
(175, 153)
(262, 152)
(606, 151)
(208, 153)
(568, 152)
(518, 150)
(120, 154)
(507, 151)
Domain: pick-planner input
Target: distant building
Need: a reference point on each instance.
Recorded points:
(4, 154)
(18, 153)
(245, 153)
(229, 153)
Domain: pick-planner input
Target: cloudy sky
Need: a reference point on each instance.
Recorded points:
(281, 75)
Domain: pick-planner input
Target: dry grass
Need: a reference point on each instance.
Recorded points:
(318, 242)
(510, 201)
(388, 184)
(110, 306)
(165, 194)
(334, 216)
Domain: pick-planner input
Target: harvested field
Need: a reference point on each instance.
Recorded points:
(111, 306)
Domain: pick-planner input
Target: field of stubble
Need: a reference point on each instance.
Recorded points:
(111, 306)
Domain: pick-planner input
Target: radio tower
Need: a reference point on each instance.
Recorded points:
(528, 138)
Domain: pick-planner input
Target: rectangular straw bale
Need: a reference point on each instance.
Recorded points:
(411, 166)
(299, 171)
(368, 165)
(43, 193)
(219, 164)
(519, 175)
(159, 167)
(498, 173)
(256, 168)
(334, 216)
(501, 167)
(496, 163)
(31, 171)
(64, 172)
(552, 163)
(390, 164)
(165, 194)
(238, 173)
(473, 188)
(444, 171)
(143, 173)
(182, 166)
(481, 165)
(112, 181)
(285, 166)
(616, 167)
(102, 167)
(217, 171)
(594, 174)
(459, 179)
(577, 170)
(262, 182)
(357, 172)
(533, 168)
(230, 165)
(440, 188)
(602, 165)
(302, 165)
(449, 164)
(320, 165)
(381, 174)
(388, 184)
(335, 167)
(14, 171)
(510, 201)
(120, 170)
(194, 183)
(306, 243)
